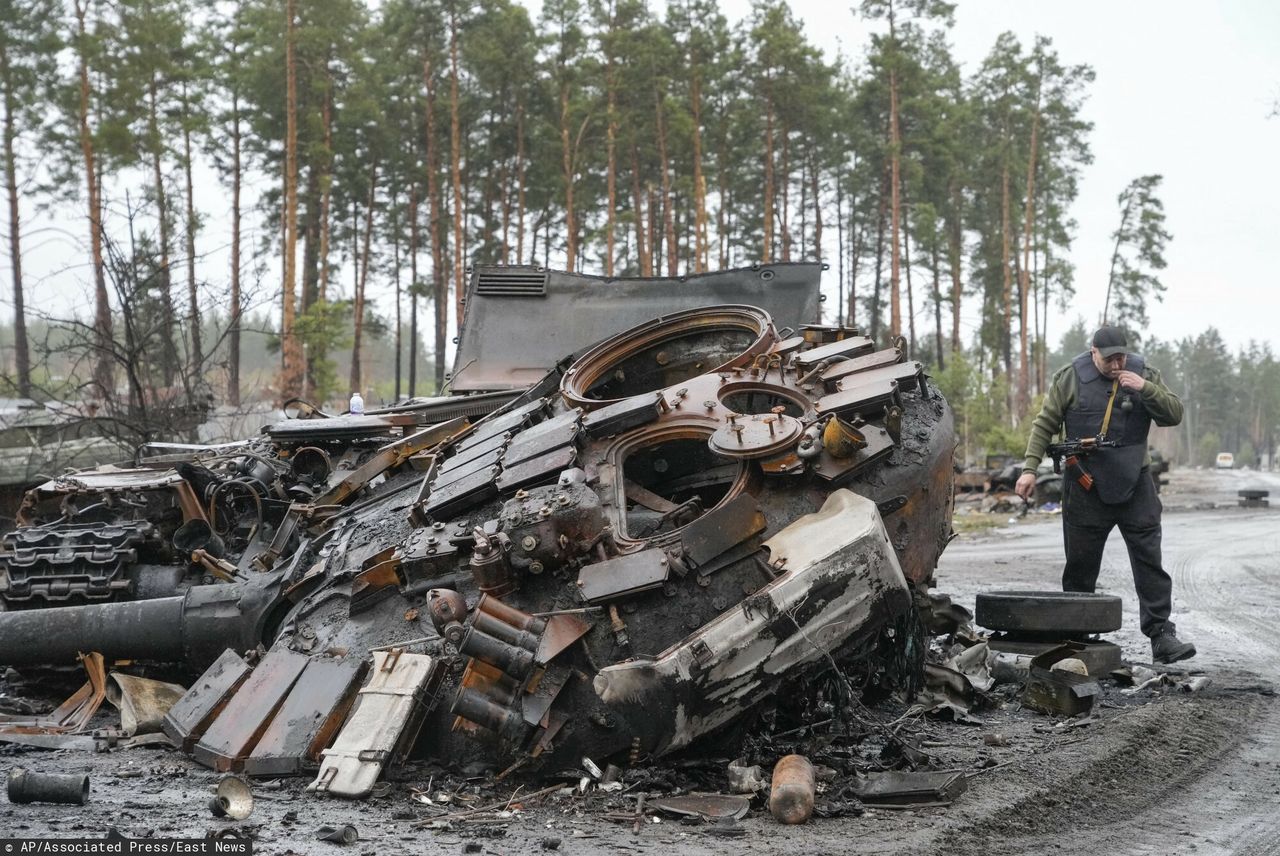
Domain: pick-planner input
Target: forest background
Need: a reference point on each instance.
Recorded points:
(366, 154)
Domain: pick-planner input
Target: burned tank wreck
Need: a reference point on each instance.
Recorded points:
(618, 560)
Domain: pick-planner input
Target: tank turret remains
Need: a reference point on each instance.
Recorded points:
(621, 560)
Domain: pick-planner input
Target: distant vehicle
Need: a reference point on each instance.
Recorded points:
(1225, 461)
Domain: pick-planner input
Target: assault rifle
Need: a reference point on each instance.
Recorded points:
(1072, 453)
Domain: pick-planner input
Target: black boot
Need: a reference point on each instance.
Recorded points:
(1165, 648)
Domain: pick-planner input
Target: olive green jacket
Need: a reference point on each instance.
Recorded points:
(1164, 406)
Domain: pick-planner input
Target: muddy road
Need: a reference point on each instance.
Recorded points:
(1153, 772)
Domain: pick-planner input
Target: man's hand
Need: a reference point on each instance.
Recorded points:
(1026, 486)
(1131, 380)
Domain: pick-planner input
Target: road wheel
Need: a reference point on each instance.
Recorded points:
(1048, 612)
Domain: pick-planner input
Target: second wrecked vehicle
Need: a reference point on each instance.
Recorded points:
(667, 528)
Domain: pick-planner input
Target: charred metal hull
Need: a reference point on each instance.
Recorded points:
(690, 517)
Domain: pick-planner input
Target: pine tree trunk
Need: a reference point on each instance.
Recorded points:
(395, 268)
(1024, 376)
(955, 238)
(895, 296)
(700, 248)
(668, 221)
(784, 191)
(911, 302)
(642, 249)
(611, 146)
(291, 376)
(237, 307)
(815, 186)
(197, 346)
(21, 350)
(1007, 269)
(455, 143)
(440, 287)
(326, 194)
(937, 305)
(875, 302)
(520, 184)
(357, 308)
(102, 367)
(414, 238)
(766, 254)
(169, 360)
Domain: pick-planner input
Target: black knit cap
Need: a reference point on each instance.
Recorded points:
(1110, 341)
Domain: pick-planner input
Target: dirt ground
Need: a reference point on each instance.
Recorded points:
(1152, 772)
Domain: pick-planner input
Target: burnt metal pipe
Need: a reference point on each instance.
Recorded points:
(482, 710)
(487, 623)
(26, 786)
(512, 659)
(194, 629)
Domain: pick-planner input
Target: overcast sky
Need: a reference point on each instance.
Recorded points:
(1183, 89)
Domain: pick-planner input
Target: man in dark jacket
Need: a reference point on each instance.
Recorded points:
(1111, 394)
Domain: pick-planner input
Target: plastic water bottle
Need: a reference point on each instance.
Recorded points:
(357, 404)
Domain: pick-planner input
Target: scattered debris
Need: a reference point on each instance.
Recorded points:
(911, 789)
(28, 786)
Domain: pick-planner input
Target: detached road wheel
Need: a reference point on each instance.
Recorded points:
(1048, 612)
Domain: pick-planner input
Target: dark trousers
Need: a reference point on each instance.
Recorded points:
(1086, 523)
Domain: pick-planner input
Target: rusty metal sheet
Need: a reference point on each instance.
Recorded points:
(562, 631)
(863, 400)
(186, 721)
(308, 718)
(623, 415)
(722, 528)
(911, 788)
(876, 360)
(241, 722)
(520, 417)
(332, 428)
(543, 468)
(624, 575)
(833, 469)
(537, 700)
(851, 346)
(388, 712)
(706, 806)
(427, 556)
(476, 450)
(388, 457)
(907, 375)
(540, 439)
(488, 461)
(460, 495)
(1059, 693)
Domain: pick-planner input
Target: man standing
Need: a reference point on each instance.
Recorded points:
(1111, 394)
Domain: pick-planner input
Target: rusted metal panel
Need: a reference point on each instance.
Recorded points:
(535, 470)
(504, 345)
(623, 575)
(722, 528)
(1058, 692)
(388, 713)
(879, 446)
(624, 415)
(852, 346)
(907, 375)
(186, 721)
(332, 428)
(911, 788)
(475, 451)
(844, 368)
(864, 400)
(516, 419)
(308, 718)
(540, 439)
(488, 462)
(241, 722)
(460, 495)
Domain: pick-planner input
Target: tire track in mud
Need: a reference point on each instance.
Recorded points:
(1198, 774)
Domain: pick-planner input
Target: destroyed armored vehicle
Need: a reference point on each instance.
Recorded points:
(617, 558)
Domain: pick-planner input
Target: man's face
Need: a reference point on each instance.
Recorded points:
(1108, 367)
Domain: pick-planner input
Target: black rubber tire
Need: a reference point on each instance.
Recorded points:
(1048, 612)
